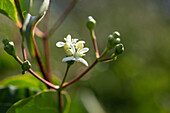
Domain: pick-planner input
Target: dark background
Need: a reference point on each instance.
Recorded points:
(137, 82)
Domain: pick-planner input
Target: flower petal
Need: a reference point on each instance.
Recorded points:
(83, 42)
(78, 59)
(84, 50)
(67, 59)
(68, 38)
(74, 41)
(72, 48)
(60, 44)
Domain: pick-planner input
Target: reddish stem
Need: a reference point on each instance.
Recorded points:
(60, 101)
(45, 42)
(95, 43)
(43, 80)
(38, 77)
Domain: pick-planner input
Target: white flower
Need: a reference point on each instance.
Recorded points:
(77, 55)
(74, 50)
(69, 41)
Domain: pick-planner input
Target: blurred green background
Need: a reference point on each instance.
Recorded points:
(137, 82)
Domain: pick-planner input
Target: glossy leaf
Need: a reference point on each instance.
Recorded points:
(7, 7)
(24, 81)
(30, 23)
(11, 94)
(44, 102)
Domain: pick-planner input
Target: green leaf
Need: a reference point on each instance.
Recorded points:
(30, 23)
(44, 102)
(24, 81)
(25, 6)
(7, 7)
(11, 94)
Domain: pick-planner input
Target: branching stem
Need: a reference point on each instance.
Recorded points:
(80, 75)
(65, 76)
(38, 77)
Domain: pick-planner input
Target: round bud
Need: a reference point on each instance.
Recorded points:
(9, 48)
(91, 23)
(119, 48)
(5, 41)
(112, 42)
(116, 34)
(26, 65)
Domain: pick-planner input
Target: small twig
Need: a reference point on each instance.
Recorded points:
(23, 46)
(104, 53)
(92, 33)
(80, 75)
(24, 54)
(106, 59)
(62, 18)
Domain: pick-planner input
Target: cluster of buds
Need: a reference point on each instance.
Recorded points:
(115, 42)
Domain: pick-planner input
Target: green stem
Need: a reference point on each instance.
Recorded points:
(59, 92)
(104, 53)
(23, 45)
(18, 60)
(80, 75)
(65, 76)
(106, 59)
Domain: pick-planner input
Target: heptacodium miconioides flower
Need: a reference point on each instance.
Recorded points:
(74, 49)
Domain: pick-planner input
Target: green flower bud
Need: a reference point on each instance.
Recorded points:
(112, 42)
(116, 34)
(91, 23)
(26, 65)
(119, 49)
(70, 62)
(5, 41)
(9, 47)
